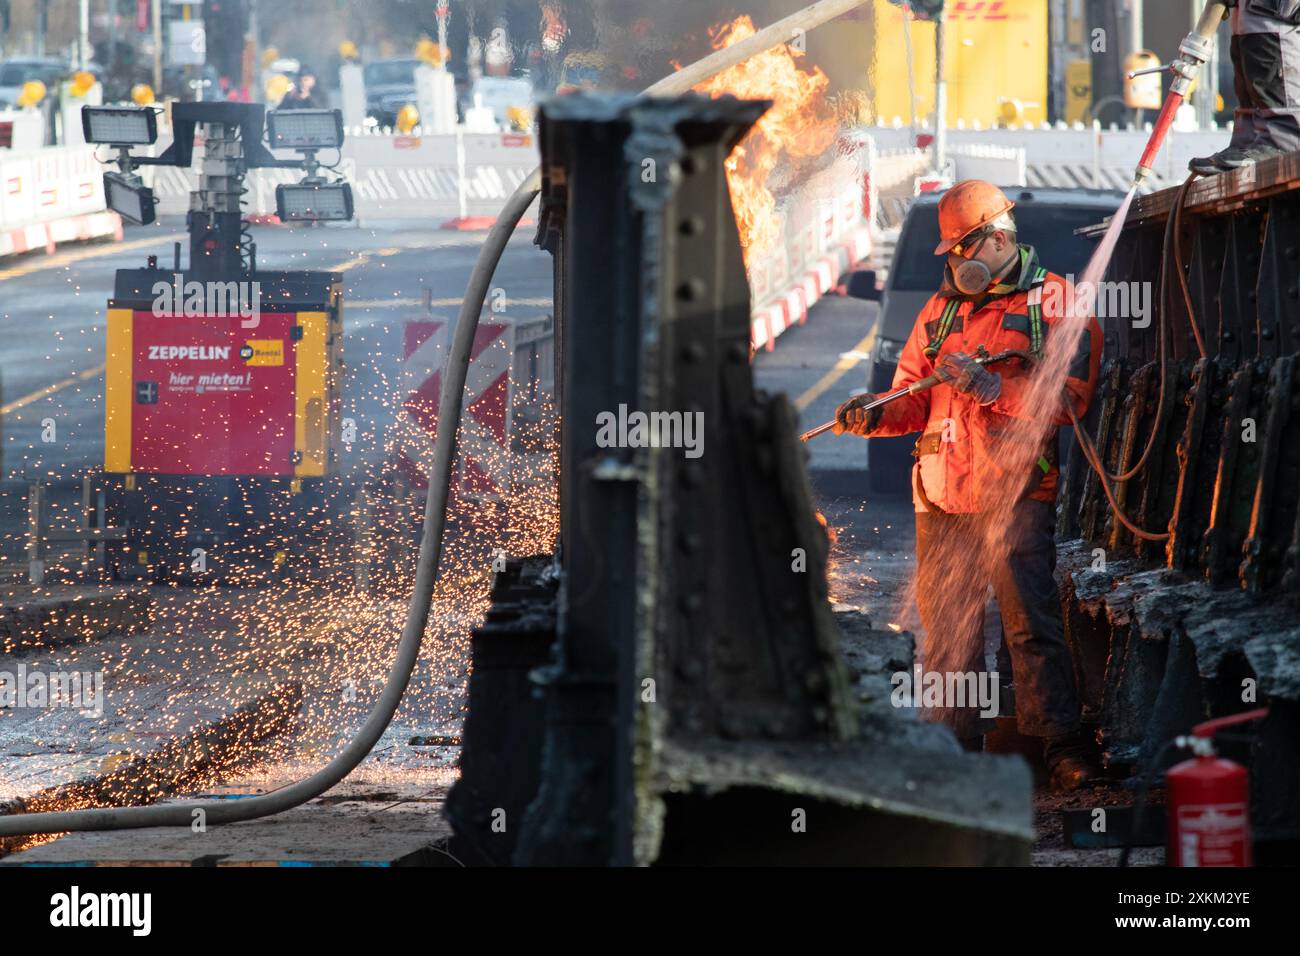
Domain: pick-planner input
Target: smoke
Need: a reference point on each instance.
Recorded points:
(640, 41)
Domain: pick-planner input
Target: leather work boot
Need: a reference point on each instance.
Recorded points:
(1206, 165)
(1072, 773)
(1070, 762)
(1252, 153)
(1234, 157)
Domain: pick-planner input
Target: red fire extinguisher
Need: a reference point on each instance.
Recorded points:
(1209, 801)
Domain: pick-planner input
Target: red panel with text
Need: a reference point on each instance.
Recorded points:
(212, 397)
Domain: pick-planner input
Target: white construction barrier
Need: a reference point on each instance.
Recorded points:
(21, 130)
(393, 176)
(352, 94)
(70, 131)
(435, 98)
(52, 195)
(1078, 156)
(818, 276)
(892, 184)
(1004, 165)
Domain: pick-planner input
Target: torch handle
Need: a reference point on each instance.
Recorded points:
(1158, 132)
(922, 385)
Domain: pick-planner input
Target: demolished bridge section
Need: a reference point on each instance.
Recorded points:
(1201, 621)
(671, 685)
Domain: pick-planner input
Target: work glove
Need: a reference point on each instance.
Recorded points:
(970, 377)
(851, 417)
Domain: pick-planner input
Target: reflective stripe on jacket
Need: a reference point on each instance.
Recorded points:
(960, 438)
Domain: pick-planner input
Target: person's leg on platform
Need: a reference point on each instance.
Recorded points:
(1266, 77)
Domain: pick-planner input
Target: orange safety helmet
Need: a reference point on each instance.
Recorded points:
(967, 206)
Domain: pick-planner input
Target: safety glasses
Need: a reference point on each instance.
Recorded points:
(970, 243)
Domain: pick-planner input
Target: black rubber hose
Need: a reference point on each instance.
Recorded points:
(426, 572)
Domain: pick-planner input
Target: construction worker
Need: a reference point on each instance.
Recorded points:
(1266, 76)
(976, 523)
(304, 95)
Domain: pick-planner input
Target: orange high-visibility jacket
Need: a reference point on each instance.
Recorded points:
(958, 450)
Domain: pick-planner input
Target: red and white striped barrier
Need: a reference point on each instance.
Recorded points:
(482, 460)
(818, 278)
(825, 230)
(511, 373)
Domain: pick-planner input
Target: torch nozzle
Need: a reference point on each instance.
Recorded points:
(1150, 69)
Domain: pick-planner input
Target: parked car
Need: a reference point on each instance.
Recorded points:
(390, 85)
(509, 97)
(1045, 219)
(583, 71)
(14, 73)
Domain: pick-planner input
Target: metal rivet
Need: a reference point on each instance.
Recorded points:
(690, 290)
(691, 226)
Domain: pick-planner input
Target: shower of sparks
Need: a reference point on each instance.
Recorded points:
(214, 647)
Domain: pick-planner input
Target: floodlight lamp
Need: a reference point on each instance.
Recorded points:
(119, 125)
(314, 202)
(129, 197)
(305, 129)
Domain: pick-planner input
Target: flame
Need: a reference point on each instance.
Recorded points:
(798, 124)
(554, 27)
(832, 535)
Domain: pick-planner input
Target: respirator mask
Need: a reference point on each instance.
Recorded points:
(972, 277)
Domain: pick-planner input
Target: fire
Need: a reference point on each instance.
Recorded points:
(798, 124)
(554, 27)
(832, 535)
